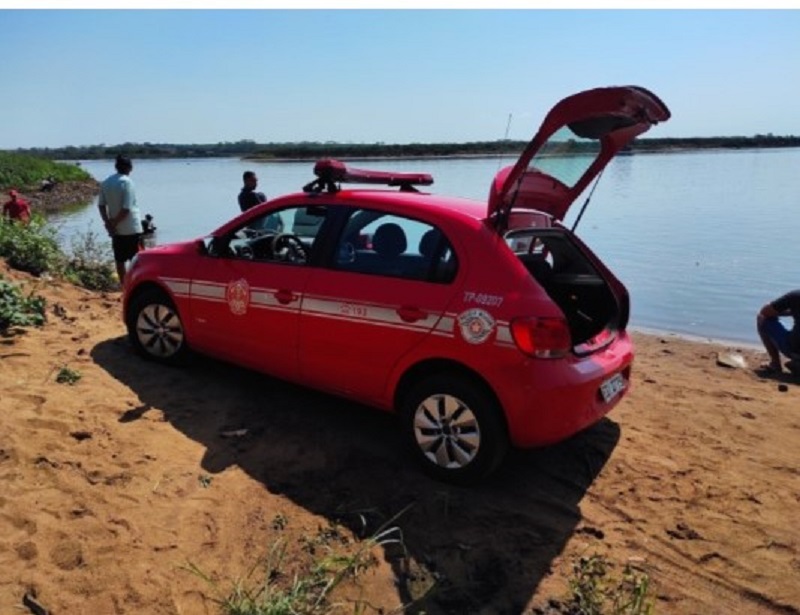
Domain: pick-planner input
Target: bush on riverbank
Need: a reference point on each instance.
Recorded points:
(72, 187)
(31, 247)
(27, 172)
(34, 248)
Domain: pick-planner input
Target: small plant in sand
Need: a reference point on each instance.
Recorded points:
(269, 588)
(18, 310)
(67, 375)
(594, 592)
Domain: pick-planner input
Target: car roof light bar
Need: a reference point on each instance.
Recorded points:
(331, 172)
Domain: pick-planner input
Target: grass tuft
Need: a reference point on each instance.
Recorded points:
(594, 591)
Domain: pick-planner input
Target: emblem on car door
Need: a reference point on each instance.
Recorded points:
(238, 296)
(476, 325)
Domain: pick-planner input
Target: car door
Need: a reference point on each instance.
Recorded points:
(388, 284)
(246, 295)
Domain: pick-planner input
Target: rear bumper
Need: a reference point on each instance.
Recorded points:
(560, 398)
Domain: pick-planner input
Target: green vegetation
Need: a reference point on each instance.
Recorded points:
(90, 263)
(21, 171)
(67, 375)
(31, 247)
(18, 310)
(305, 150)
(34, 248)
(274, 586)
(594, 592)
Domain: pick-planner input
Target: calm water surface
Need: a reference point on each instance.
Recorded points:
(701, 239)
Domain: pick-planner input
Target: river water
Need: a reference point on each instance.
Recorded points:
(701, 239)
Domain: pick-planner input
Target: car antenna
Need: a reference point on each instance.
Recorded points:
(505, 138)
(586, 202)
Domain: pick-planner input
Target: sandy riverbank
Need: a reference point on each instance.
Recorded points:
(112, 485)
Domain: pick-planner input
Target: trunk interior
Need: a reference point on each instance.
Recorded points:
(570, 279)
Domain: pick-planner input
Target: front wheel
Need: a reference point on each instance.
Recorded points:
(155, 328)
(455, 428)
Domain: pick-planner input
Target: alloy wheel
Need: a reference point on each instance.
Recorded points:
(447, 431)
(159, 330)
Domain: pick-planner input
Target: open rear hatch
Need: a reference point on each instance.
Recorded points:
(527, 201)
(578, 138)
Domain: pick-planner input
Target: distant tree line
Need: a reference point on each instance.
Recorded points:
(306, 150)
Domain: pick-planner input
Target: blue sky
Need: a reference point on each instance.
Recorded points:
(81, 77)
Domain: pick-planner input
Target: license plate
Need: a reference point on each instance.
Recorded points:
(612, 387)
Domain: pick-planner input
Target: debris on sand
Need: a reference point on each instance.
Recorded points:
(731, 359)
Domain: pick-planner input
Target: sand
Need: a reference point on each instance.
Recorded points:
(112, 487)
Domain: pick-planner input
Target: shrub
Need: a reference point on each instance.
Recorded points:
(31, 247)
(16, 310)
(90, 263)
(34, 248)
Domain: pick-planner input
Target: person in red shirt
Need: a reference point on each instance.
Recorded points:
(17, 208)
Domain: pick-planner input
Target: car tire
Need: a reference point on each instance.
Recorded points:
(155, 328)
(455, 428)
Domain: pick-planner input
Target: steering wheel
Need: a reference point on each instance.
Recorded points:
(289, 247)
(245, 251)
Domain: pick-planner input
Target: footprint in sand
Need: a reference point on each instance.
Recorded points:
(27, 551)
(67, 555)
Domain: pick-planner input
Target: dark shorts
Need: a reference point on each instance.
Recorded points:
(779, 335)
(124, 247)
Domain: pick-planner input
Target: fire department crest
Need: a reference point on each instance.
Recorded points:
(238, 296)
(476, 325)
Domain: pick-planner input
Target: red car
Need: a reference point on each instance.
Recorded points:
(483, 325)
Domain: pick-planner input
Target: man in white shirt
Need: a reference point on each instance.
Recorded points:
(117, 205)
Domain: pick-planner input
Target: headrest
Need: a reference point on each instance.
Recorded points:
(429, 242)
(389, 240)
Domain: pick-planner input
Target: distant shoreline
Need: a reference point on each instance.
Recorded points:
(302, 151)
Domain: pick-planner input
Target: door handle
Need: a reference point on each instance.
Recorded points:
(285, 296)
(411, 314)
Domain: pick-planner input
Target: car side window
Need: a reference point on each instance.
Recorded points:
(377, 243)
(284, 236)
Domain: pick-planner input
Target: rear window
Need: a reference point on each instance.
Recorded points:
(565, 156)
(376, 243)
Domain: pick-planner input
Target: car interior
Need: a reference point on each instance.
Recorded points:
(389, 250)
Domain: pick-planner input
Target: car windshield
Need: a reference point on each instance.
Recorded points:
(565, 156)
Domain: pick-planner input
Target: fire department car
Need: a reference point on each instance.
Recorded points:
(483, 325)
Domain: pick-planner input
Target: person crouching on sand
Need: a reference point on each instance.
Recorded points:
(777, 339)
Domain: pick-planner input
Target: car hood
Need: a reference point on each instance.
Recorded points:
(577, 139)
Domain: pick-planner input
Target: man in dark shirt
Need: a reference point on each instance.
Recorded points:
(776, 337)
(248, 197)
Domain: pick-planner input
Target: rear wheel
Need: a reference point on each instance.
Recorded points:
(455, 428)
(155, 327)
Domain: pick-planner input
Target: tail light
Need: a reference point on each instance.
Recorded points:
(542, 338)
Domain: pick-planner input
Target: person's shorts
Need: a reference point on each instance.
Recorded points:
(779, 335)
(124, 247)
